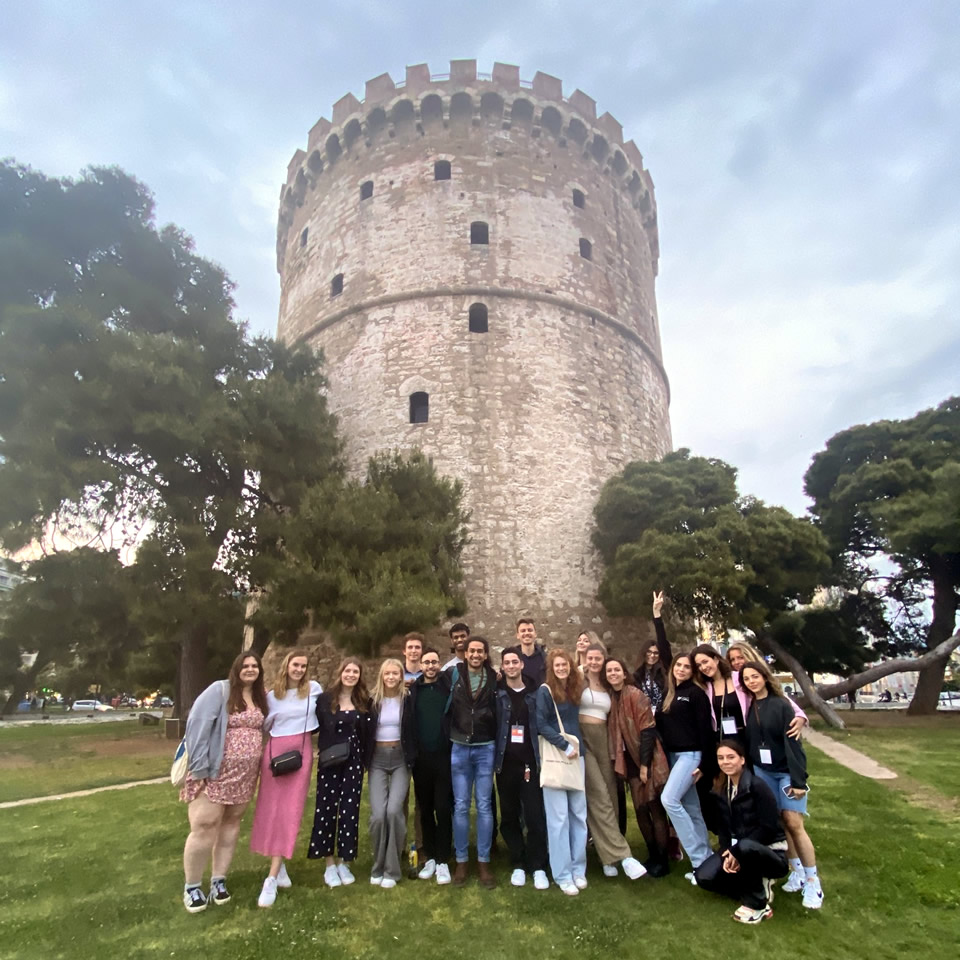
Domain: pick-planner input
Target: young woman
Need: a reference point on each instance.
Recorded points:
(595, 704)
(291, 719)
(730, 702)
(566, 810)
(687, 734)
(740, 652)
(389, 776)
(583, 641)
(654, 661)
(752, 848)
(779, 761)
(224, 742)
(638, 757)
(343, 739)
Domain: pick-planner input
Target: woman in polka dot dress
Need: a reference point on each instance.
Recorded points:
(345, 717)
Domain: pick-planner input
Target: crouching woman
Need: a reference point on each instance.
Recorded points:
(753, 846)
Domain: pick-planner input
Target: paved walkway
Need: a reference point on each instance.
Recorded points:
(853, 759)
(82, 793)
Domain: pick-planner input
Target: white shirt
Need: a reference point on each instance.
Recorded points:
(594, 703)
(288, 716)
(388, 729)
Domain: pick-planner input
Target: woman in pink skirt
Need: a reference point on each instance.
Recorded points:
(291, 719)
(224, 738)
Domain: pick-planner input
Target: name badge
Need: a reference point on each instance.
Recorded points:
(729, 726)
(516, 733)
(766, 756)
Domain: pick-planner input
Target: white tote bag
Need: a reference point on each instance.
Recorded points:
(557, 770)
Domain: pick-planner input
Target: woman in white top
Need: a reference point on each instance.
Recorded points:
(584, 640)
(389, 775)
(601, 783)
(291, 719)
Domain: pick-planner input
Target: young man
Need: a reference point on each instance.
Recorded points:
(459, 635)
(412, 649)
(472, 714)
(531, 653)
(518, 777)
(431, 769)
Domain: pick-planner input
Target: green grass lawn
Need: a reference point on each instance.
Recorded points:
(102, 875)
(39, 760)
(925, 749)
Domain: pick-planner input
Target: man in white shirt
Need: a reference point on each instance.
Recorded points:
(459, 637)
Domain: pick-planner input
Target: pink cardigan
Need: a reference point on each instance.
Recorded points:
(745, 702)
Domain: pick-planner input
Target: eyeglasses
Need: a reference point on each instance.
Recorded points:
(429, 663)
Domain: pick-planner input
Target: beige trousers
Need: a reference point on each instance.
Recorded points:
(601, 784)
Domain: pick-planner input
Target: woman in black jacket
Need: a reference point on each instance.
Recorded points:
(655, 657)
(344, 743)
(753, 848)
(687, 735)
(780, 762)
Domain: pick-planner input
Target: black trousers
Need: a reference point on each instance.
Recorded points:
(521, 805)
(757, 862)
(338, 808)
(434, 793)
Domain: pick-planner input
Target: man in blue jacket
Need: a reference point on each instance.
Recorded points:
(518, 775)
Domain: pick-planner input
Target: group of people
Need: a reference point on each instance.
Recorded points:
(702, 742)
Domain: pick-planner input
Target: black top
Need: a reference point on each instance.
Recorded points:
(473, 718)
(728, 705)
(519, 717)
(340, 726)
(653, 688)
(751, 814)
(766, 729)
(534, 666)
(686, 726)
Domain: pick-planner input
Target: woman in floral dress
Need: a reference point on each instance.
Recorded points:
(224, 739)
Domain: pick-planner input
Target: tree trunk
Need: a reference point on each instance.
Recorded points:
(926, 697)
(261, 640)
(813, 698)
(193, 668)
(905, 665)
(22, 683)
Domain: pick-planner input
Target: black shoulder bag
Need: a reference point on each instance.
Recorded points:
(290, 760)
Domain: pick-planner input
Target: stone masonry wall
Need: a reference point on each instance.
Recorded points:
(565, 387)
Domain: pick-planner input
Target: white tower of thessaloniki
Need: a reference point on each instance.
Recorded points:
(476, 255)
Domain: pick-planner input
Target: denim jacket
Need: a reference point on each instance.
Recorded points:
(503, 723)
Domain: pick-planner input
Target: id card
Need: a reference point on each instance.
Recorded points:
(766, 756)
(729, 726)
(516, 733)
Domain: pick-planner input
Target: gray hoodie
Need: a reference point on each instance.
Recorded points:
(207, 730)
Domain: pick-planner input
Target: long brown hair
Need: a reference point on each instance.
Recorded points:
(773, 684)
(672, 681)
(280, 681)
(235, 701)
(571, 690)
(706, 650)
(359, 696)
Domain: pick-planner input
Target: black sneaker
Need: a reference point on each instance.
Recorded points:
(194, 900)
(218, 892)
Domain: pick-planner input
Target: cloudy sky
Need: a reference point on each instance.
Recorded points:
(806, 156)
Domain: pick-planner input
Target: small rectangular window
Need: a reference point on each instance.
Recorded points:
(336, 285)
(303, 236)
(441, 170)
(366, 190)
(579, 200)
(586, 249)
(479, 232)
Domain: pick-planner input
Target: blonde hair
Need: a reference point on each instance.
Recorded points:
(379, 689)
(280, 683)
(749, 652)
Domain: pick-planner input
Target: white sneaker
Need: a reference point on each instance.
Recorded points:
(540, 881)
(691, 877)
(283, 878)
(268, 895)
(376, 881)
(386, 883)
(331, 878)
(443, 873)
(343, 871)
(518, 878)
(609, 869)
(812, 894)
(429, 869)
(570, 889)
(580, 883)
(794, 882)
(633, 868)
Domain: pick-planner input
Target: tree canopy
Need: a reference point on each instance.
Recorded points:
(887, 495)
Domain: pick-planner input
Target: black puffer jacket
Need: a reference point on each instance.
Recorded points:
(751, 815)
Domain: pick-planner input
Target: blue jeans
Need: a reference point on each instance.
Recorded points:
(566, 812)
(472, 764)
(680, 800)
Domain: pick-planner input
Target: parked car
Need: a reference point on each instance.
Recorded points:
(90, 706)
(164, 702)
(949, 700)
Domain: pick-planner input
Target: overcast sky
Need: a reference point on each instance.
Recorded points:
(806, 157)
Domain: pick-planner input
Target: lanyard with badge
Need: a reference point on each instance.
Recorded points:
(728, 722)
(766, 754)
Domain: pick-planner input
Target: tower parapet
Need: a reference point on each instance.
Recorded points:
(476, 255)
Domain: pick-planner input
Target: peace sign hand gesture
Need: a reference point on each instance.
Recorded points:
(657, 604)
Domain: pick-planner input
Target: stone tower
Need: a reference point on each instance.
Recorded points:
(476, 256)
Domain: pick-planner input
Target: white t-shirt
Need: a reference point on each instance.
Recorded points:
(288, 716)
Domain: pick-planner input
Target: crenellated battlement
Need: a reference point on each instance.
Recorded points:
(470, 99)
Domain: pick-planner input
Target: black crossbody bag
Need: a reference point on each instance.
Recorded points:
(290, 760)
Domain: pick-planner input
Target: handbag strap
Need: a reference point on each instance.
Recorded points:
(556, 710)
(306, 720)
